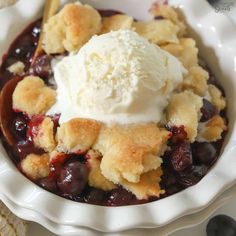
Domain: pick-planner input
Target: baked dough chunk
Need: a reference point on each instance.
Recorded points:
(96, 178)
(216, 97)
(196, 80)
(211, 130)
(148, 186)
(186, 51)
(130, 151)
(36, 166)
(32, 96)
(169, 13)
(72, 27)
(149, 135)
(77, 135)
(18, 68)
(45, 136)
(116, 22)
(184, 109)
(159, 32)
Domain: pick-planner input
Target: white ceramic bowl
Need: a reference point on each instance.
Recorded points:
(216, 37)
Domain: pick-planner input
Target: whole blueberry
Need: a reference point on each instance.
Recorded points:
(191, 175)
(120, 197)
(181, 156)
(20, 126)
(48, 184)
(24, 49)
(95, 196)
(73, 178)
(42, 66)
(207, 110)
(187, 178)
(221, 225)
(24, 147)
(204, 153)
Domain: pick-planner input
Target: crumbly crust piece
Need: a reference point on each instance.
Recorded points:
(148, 186)
(125, 161)
(45, 136)
(216, 97)
(196, 80)
(17, 68)
(36, 166)
(186, 51)
(130, 151)
(184, 109)
(211, 130)
(72, 27)
(169, 13)
(77, 135)
(149, 135)
(32, 96)
(96, 178)
(116, 22)
(159, 32)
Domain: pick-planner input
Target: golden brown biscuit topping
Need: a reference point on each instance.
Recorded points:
(77, 135)
(32, 96)
(36, 166)
(71, 28)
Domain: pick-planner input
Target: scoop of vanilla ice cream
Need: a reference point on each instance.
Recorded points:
(116, 77)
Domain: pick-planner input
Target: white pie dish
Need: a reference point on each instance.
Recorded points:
(218, 37)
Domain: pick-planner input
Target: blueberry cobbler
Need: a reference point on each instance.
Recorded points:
(115, 111)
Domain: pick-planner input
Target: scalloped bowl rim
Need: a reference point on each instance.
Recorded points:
(23, 193)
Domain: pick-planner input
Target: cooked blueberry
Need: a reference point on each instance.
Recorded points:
(178, 133)
(95, 196)
(48, 184)
(204, 152)
(191, 176)
(171, 190)
(168, 178)
(221, 225)
(25, 48)
(75, 157)
(108, 13)
(36, 30)
(42, 66)
(187, 179)
(181, 156)
(73, 178)
(33, 126)
(212, 79)
(10, 61)
(159, 18)
(199, 171)
(20, 124)
(77, 198)
(119, 197)
(25, 147)
(208, 111)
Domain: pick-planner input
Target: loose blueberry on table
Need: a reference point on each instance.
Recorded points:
(186, 160)
(221, 225)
